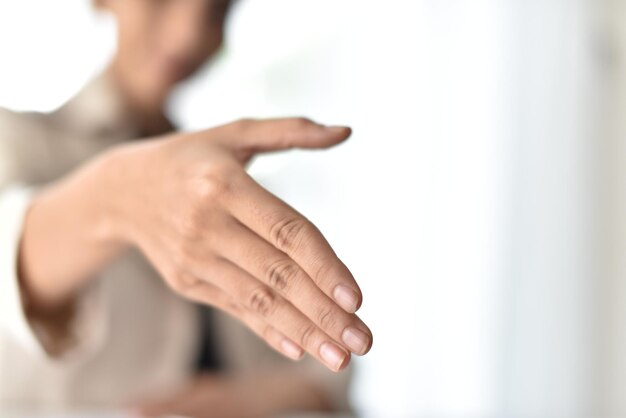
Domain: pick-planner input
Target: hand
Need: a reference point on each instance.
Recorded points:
(219, 238)
(251, 396)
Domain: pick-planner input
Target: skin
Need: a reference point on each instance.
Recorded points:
(186, 201)
(161, 43)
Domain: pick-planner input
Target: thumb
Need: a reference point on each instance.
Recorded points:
(254, 136)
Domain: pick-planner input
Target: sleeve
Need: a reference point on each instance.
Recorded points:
(86, 329)
(13, 204)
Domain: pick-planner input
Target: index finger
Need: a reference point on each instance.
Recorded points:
(290, 232)
(254, 136)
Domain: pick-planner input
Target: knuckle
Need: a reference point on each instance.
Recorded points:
(322, 272)
(213, 182)
(280, 274)
(327, 268)
(294, 128)
(183, 283)
(287, 233)
(243, 124)
(306, 335)
(209, 185)
(325, 318)
(263, 302)
(327, 275)
(301, 122)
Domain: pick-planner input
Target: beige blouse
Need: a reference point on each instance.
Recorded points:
(132, 337)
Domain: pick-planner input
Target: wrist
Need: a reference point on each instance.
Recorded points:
(70, 216)
(116, 191)
(106, 192)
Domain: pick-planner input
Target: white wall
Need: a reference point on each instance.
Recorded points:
(49, 50)
(414, 201)
(554, 274)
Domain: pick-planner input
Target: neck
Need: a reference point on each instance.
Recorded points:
(146, 112)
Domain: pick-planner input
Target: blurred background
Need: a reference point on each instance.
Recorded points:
(479, 202)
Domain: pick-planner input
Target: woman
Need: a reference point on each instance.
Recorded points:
(106, 241)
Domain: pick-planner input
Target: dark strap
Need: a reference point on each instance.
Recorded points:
(208, 356)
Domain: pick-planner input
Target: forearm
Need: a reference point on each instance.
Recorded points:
(67, 236)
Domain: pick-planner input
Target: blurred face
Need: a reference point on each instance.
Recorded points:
(161, 42)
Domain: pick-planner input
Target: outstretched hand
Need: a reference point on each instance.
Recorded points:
(219, 238)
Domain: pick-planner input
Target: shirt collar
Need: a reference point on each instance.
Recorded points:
(98, 110)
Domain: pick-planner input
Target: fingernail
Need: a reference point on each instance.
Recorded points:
(337, 128)
(333, 356)
(357, 341)
(346, 298)
(291, 350)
